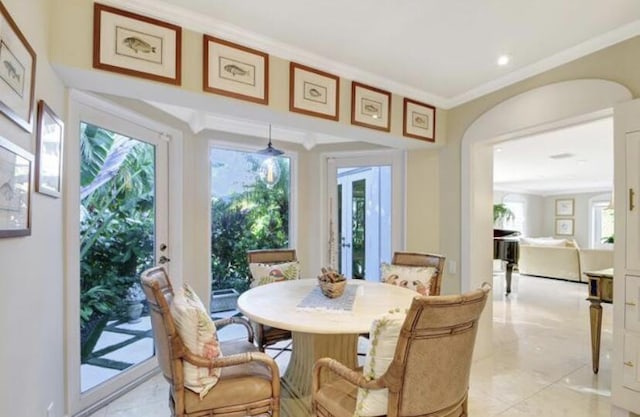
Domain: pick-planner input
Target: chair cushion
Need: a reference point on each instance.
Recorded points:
(384, 335)
(240, 384)
(417, 278)
(338, 398)
(268, 273)
(231, 386)
(198, 333)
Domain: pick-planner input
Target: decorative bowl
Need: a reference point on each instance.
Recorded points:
(331, 282)
(332, 289)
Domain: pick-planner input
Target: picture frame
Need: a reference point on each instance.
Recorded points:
(49, 147)
(370, 107)
(235, 71)
(136, 45)
(17, 73)
(15, 190)
(419, 120)
(564, 227)
(564, 207)
(313, 92)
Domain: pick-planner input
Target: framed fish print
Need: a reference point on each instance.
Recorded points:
(236, 71)
(564, 207)
(17, 73)
(564, 227)
(15, 190)
(50, 134)
(313, 92)
(370, 107)
(419, 121)
(136, 45)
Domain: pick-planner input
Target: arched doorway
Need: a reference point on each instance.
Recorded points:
(544, 108)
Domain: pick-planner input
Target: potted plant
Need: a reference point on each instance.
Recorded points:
(135, 297)
(502, 213)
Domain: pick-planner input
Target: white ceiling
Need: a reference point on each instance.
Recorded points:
(442, 52)
(583, 161)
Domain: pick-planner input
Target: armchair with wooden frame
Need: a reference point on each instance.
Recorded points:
(429, 373)
(249, 383)
(267, 335)
(423, 259)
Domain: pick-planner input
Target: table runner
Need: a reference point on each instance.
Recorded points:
(315, 300)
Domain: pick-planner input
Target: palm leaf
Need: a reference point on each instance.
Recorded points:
(118, 152)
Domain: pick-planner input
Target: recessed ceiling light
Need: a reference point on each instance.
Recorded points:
(498, 149)
(503, 60)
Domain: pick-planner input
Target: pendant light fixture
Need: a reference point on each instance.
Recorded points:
(269, 169)
(270, 150)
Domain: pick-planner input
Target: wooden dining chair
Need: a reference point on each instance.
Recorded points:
(267, 335)
(423, 259)
(429, 373)
(416, 259)
(249, 381)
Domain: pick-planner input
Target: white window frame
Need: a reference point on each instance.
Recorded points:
(331, 162)
(595, 239)
(81, 103)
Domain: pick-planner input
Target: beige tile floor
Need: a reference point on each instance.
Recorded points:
(541, 364)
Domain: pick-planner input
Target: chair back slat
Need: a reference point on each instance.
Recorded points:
(426, 260)
(271, 256)
(430, 370)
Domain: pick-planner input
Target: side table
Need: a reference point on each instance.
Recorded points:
(600, 290)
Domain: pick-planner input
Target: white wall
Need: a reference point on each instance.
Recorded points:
(580, 216)
(31, 281)
(541, 213)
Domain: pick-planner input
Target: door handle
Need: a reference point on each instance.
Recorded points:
(163, 260)
(631, 193)
(346, 245)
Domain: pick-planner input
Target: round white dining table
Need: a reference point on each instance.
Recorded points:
(317, 332)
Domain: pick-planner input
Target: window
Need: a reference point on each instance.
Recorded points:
(518, 208)
(246, 213)
(601, 225)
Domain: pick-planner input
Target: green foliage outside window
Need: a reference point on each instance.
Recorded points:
(255, 218)
(117, 219)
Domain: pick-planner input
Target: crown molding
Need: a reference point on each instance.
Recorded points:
(212, 26)
(199, 121)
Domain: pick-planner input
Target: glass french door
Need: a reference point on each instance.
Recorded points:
(121, 230)
(367, 215)
(352, 220)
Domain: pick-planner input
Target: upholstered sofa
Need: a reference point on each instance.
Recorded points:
(560, 258)
(595, 260)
